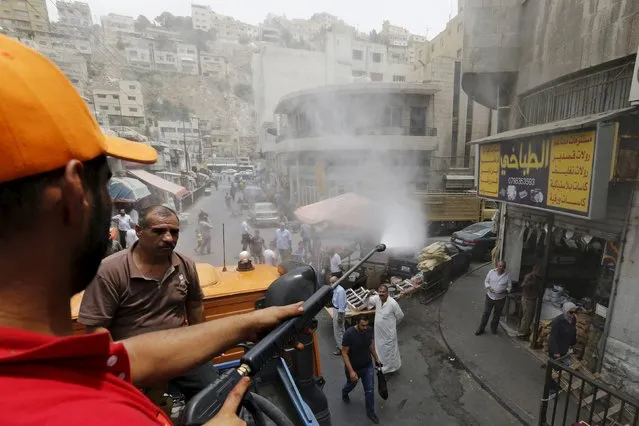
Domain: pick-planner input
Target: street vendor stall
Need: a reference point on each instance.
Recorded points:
(346, 210)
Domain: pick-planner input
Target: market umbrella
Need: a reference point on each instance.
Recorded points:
(125, 189)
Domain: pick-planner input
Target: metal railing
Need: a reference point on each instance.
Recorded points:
(381, 131)
(601, 91)
(585, 399)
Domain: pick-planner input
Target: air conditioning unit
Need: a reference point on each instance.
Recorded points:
(634, 88)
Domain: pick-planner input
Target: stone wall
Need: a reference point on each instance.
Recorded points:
(560, 37)
(621, 358)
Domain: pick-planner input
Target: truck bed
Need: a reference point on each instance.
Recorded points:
(450, 207)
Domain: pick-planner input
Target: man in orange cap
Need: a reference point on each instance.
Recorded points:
(53, 197)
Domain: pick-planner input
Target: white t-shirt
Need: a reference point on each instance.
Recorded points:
(497, 286)
(124, 222)
(270, 258)
(246, 229)
(283, 239)
(336, 261)
(131, 238)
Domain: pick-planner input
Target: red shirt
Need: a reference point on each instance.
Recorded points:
(73, 381)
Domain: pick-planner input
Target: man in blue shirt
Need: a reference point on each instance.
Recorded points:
(339, 315)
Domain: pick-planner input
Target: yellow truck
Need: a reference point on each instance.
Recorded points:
(451, 211)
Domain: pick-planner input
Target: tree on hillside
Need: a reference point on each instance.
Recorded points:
(142, 23)
(199, 38)
(243, 91)
(174, 23)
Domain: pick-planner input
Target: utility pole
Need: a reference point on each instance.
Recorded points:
(187, 161)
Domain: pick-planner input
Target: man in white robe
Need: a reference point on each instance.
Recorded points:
(387, 315)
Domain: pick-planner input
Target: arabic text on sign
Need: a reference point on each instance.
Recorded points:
(527, 158)
(571, 171)
(489, 165)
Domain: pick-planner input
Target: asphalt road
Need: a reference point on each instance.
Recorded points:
(431, 388)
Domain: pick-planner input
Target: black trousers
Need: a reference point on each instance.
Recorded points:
(494, 306)
(194, 381)
(122, 235)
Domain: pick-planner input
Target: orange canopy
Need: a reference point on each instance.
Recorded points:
(349, 210)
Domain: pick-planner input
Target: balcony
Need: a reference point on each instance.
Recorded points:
(382, 139)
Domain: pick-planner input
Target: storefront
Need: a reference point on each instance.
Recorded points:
(565, 209)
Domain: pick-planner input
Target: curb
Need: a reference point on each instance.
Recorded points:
(523, 420)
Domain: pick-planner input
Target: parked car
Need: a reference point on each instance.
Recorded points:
(254, 194)
(477, 239)
(264, 214)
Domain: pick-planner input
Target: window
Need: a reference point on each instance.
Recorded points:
(131, 98)
(399, 78)
(102, 96)
(133, 110)
(418, 121)
(357, 73)
(459, 27)
(358, 55)
(117, 108)
(392, 116)
(376, 76)
(459, 54)
(104, 107)
(377, 57)
(132, 87)
(116, 96)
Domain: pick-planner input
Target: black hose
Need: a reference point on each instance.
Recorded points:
(271, 410)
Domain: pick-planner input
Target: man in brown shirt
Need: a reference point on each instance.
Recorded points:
(531, 288)
(148, 287)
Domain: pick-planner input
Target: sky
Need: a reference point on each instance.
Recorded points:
(425, 17)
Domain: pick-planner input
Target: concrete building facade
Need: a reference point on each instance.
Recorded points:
(546, 66)
(74, 13)
(113, 25)
(344, 58)
(121, 102)
(22, 15)
(339, 128)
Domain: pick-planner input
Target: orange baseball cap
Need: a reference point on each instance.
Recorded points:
(44, 123)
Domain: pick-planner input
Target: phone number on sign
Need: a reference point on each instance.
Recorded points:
(521, 181)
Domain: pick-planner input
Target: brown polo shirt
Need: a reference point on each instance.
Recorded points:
(122, 300)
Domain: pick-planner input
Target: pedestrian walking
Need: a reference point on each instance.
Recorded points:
(339, 315)
(498, 285)
(257, 247)
(283, 242)
(531, 288)
(305, 233)
(227, 200)
(124, 224)
(358, 352)
(205, 228)
(246, 235)
(336, 264)
(388, 315)
(270, 257)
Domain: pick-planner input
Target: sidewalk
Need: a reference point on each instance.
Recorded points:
(502, 365)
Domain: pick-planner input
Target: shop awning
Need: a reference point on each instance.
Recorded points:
(553, 127)
(159, 183)
(348, 210)
(127, 189)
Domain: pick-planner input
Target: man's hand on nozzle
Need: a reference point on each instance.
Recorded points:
(227, 415)
(266, 319)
